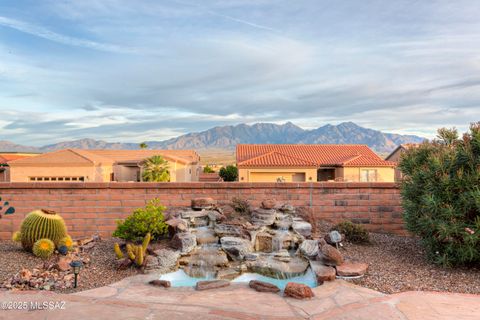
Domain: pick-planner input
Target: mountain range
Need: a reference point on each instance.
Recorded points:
(226, 137)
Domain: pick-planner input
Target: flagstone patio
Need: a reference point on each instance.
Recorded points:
(132, 298)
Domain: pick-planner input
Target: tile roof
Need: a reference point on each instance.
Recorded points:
(318, 155)
(7, 157)
(109, 157)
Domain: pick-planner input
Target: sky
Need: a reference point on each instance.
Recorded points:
(139, 70)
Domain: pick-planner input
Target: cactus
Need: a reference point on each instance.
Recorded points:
(17, 236)
(130, 253)
(117, 250)
(67, 242)
(139, 256)
(41, 224)
(43, 248)
(146, 242)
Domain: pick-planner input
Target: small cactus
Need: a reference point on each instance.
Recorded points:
(117, 250)
(43, 248)
(130, 253)
(146, 242)
(17, 236)
(67, 242)
(139, 256)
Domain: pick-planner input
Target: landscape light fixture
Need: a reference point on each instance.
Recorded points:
(76, 266)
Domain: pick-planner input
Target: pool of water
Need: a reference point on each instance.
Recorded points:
(181, 279)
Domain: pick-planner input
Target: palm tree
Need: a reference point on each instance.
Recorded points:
(155, 169)
(143, 145)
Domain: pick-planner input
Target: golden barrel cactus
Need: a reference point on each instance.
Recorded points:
(43, 248)
(42, 224)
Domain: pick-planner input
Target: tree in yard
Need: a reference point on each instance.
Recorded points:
(229, 173)
(155, 169)
(143, 145)
(208, 169)
(441, 196)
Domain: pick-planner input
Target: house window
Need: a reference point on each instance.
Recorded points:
(55, 179)
(368, 175)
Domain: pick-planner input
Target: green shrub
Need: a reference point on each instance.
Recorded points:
(441, 196)
(229, 173)
(143, 221)
(353, 232)
(240, 205)
(208, 169)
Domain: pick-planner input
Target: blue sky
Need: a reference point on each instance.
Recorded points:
(150, 70)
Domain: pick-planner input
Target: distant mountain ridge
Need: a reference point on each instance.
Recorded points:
(227, 137)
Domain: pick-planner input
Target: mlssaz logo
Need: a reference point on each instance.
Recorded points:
(5, 208)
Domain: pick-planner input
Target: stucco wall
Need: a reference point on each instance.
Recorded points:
(271, 174)
(384, 174)
(22, 174)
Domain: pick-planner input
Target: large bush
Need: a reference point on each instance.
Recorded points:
(354, 233)
(229, 173)
(143, 221)
(441, 196)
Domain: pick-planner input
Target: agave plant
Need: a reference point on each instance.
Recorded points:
(155, 169)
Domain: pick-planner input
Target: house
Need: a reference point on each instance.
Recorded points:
(75, 165)
(6, 157)
(396, 155)
(305, 163)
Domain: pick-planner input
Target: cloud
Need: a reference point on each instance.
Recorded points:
(42, 32)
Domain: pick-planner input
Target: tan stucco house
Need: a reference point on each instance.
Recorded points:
(396, 154)
(305, 163)
(6, 158)
(75, 165)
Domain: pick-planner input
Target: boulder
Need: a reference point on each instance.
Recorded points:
(211, 284)
(160, 283)
(228, 274)
(283, 221)
(276, 268)
(287, 208)
(352, 269)
(196, 218)
(329, 240)
(215, 216)
(263, 217)
(298, 291)
(208, 257)
(309, 249)
(236, 247)
(184, 241)
(282, 255)
(206, 236)
(203, 203)
(263, 242)
(231, 230)
(269, 204)
(330, 256)
(261, 286)
(322, 272)
(177, 224)
(302, 227)
(167, 259)
(151, 262)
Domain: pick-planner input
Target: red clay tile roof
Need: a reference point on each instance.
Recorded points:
(318, 155)
(7, 157)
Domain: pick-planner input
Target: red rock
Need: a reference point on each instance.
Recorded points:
(352, 269)
(203, 203)
(331, 256)
(298, 291)
(123, 264)
(212, 284)
(261, 286)
(25, 275)
(323, 273)
(161, 283)
(63, 264)
(269, 204)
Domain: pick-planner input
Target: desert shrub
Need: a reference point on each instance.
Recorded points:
(229, 173)
(441, 196)
(240, 205)
(143, 221)
(208, 169)
(353, 232)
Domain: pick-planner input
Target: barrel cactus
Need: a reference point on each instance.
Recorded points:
(17, 236)
(42, 224)
(67, 242)
(43, 248)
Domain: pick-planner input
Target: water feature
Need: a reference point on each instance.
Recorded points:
(181, 279)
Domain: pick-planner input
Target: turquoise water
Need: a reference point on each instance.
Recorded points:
(181, 279)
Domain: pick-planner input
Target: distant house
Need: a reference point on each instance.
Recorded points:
(75, 165)
(396, 154)
(304, 163)
(6, 157)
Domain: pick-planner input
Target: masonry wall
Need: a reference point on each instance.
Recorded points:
(90, 208)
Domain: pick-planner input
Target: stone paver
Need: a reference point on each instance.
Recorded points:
(133, 298)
